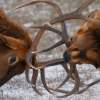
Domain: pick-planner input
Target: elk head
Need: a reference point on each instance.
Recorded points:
(14, 46)
(16, 51)
(85, 46)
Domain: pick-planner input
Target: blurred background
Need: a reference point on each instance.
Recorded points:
(17, 88)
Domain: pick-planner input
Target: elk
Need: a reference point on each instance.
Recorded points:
(84, 48)
(18, 50)
(85, 41)
(86, 44)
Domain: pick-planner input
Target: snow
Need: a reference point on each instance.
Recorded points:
(18, 89)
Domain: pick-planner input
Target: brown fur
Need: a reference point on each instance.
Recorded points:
(14, 41)
(87, 39)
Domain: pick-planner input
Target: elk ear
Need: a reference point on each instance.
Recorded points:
(11, 42)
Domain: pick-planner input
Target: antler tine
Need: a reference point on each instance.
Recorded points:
(45, 64)
(76, 86)
(84, 5)
(47, 2)
(42, 65)
(42, 71)
(72, 70)
(45, 84)
(61, 42)
(27, 75)
(67, 77)
(59, 12)
(33, 79)
(38, 37)
(77, 14)
(49, 28)
(57, 9)
(34, 48)
(29, 61)
(88, 86)
(52, 63)
(39, 1)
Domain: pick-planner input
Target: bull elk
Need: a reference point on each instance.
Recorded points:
(18, 50)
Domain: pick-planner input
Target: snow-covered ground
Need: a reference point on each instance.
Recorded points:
(18, 89)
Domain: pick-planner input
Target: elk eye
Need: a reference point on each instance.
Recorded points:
(12, 60)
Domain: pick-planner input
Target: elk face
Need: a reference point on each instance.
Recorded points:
(85, 45)
(4, 56)
(10, 65)
(8, 62)
(14, 46)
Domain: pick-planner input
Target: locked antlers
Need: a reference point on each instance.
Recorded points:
(77, 14)
(24, 49)
(74, 15)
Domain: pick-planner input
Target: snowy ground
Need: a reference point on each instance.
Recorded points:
(19, 89)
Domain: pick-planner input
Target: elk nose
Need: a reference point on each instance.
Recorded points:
(82, 54)
(66, 57)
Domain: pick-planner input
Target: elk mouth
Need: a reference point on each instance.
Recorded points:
(90, 56)
(12, 71)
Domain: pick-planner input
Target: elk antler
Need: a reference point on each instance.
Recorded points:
(77, 14)
(58, 10)
(74, 15)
